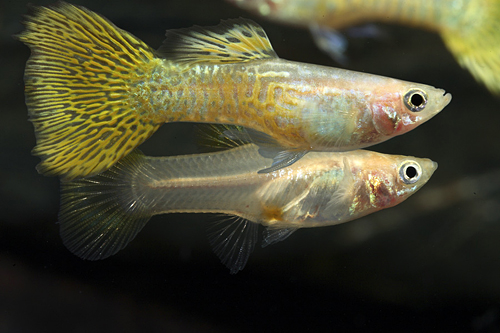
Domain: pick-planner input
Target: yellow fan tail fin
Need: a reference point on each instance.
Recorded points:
(476, 42)
(77, 90)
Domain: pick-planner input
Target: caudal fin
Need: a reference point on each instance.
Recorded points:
(77, 90)
(476, 45)
(100, 215)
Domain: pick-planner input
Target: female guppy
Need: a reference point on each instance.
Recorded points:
(469, 28)
(100, 215)
(95, 92)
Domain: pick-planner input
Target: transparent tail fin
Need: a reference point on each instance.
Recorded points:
(100, 215)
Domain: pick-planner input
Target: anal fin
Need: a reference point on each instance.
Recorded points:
(273, 235)
(233, 240)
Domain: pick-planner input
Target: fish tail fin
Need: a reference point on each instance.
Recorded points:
(476, 43)
(100, 215)
(77, 84)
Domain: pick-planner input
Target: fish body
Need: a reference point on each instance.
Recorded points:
(339, 14)
(469, 28)
(95, 92)
(300, 106)
(101, 214)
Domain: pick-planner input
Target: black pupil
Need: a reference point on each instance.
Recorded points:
(417, 100)
(411, 172)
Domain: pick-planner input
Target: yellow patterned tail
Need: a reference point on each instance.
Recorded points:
(477, 43)
(77, 90)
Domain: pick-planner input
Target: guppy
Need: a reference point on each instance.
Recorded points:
(469, 28)
(95, 92)
(100, 215)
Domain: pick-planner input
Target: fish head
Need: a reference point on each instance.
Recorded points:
(404, 106)
(394, 178)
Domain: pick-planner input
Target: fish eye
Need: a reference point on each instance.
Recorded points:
(415, 99)
(410, 172)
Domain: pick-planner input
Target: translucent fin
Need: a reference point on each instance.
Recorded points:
(248, 135)
(331, 42)
(230, 136)
(338, 205)
(268, 147)
(343, 124)
(272, 235)
(233, 240)
(284, 159)
(476, 45)
(98, 215)
(223, 135)
(368, 30)
(334, 43)
(77, 90)
(236, 40)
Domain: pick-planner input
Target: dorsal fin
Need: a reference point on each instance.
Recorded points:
(236, 40)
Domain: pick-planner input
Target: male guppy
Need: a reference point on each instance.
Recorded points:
(469, 28)
(100, 215)
(95, 92)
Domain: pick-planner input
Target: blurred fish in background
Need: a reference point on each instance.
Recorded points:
(469, 28)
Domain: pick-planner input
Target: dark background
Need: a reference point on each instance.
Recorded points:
(429, 265)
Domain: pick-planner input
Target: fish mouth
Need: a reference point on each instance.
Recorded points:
(434, 166)
(441, 100)
(430, 166)
(446, 99)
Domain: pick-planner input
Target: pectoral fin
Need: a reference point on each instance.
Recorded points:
(338, 205)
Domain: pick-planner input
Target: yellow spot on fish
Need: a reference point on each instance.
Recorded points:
(272, 213)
